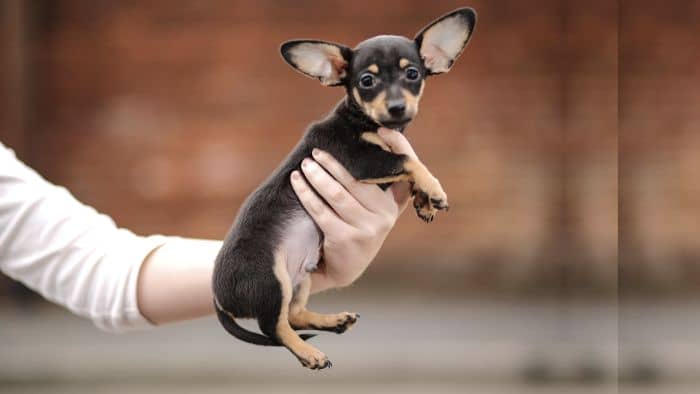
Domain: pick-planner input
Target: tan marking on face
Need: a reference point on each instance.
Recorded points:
(356, 95)
(373, 68)
(404, 62)
(373, 138)
(411, 100)
(375, 109)
(309, 356)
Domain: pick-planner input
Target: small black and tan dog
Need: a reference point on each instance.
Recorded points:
(262, 270)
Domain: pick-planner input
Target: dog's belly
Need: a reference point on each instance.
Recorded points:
(300, 247)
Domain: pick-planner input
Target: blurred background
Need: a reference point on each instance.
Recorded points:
(659, 120)
(165, 115)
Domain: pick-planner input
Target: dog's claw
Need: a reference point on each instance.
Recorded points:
(425, 216)
(439, 204)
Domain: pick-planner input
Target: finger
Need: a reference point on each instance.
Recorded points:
(342, 202)
(397, 142)
(370, 196)
(324, 217)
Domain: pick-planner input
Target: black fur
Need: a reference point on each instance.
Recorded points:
(244, 283)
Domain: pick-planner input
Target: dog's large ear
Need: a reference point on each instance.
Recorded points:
(326, 61)
(444, 39)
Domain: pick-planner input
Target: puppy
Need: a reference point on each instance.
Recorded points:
(262, 270)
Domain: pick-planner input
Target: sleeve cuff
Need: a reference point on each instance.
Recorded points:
(124, 314)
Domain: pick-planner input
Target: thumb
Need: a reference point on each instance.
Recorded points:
(396, 141)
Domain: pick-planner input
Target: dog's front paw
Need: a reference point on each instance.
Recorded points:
(428, 202)
(436, 196)
(344, 321)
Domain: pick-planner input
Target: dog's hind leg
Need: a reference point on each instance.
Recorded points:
(301, 318)
(308, 355)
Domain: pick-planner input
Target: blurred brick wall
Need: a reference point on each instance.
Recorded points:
(660, 146)
(165, 115)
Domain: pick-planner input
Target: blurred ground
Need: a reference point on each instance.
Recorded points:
(402, 344)
(322, 388)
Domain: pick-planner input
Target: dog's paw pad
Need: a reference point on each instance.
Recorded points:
(420, 199)
(427, 205)
(315, 360)
(345, 321)
(426, 213)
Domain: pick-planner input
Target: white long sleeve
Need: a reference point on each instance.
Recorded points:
(67, 251)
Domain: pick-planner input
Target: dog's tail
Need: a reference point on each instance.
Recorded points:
(229, 322)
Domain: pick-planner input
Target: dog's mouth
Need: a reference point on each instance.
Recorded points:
(395, 124)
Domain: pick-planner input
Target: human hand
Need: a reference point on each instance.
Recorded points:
(359, 217)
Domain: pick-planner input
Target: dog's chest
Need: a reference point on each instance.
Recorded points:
(300, 246)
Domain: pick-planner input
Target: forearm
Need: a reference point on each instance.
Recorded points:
(175, 281)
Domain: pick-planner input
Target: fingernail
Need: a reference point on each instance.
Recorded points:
(308, 164)
(296, 176)
(316, 153)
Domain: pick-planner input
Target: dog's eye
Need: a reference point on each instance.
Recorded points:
(412, 74)
(367, 80)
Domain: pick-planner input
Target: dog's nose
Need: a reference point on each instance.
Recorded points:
(396, 108)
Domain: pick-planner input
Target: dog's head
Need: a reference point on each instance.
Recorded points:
(385, 75)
